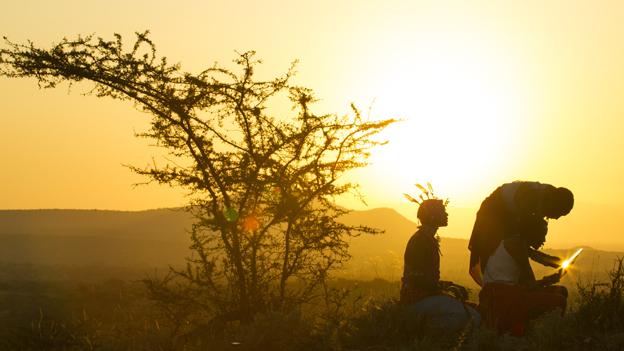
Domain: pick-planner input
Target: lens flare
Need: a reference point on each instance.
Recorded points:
(251, 223)
(230, 214)
(569, 261)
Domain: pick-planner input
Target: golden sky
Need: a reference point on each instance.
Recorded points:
(489, 92)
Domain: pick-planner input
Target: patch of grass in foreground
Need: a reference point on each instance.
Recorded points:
(120, 316)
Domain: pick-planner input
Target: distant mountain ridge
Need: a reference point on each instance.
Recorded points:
(94, 237)
(158, 224)
(159, 238)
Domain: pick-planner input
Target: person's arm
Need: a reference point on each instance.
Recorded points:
(544, 259)
(550, 279)
(518, 250)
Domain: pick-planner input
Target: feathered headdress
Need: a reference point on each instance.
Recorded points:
(425, 194)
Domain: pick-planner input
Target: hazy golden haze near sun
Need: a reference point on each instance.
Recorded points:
(487, 94)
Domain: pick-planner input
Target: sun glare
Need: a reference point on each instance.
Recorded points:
(459, 110)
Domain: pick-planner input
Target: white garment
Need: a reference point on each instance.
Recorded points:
(501, 267)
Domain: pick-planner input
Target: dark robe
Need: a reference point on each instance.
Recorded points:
(421, 269)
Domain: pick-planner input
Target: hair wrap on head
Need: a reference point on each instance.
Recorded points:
(430, 207)
(564, 199)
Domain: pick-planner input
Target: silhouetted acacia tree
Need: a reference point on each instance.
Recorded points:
(262, 187)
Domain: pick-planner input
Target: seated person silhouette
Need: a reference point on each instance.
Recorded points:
(511, 296)
(509, 229)
(422, 291)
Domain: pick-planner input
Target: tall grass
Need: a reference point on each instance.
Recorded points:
(120, 316)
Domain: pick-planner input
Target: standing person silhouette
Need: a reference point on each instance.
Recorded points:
(509, 229)
(421, 288)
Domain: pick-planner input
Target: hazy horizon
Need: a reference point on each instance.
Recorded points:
(488, 93)
(565, 233)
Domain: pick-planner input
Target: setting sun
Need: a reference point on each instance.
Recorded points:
(460, 109)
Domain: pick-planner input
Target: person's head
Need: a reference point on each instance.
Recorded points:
(432, 212)
(557, 202)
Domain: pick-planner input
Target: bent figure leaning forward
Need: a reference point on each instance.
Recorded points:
(509, 229)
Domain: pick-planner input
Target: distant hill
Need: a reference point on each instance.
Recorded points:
(158, 238)
(160, 224)
(87, 237)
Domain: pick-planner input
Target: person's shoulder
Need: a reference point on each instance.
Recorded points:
(420, 235)
(414, 237)
(532, 185)
(509, 188)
